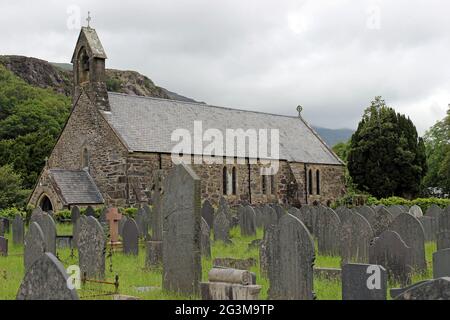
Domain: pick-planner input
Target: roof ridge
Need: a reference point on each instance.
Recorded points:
(201, 104)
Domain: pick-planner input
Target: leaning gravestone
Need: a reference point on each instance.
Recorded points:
(355, 236)
(181, 208)
(443, 236)
(441, 263)
(91, 248)
(364, 282)
(3, 246)
(382, 221)
(390, 251)
(34, 245)
(208, 212)
(48, 227)
(411, 231)
(18, 230)
(222, 228)
(291, 269)
(46, 279)
(74, 214)
(247, 221)
(416, 211)
(130, 236)
(205, 239)
(327, 231)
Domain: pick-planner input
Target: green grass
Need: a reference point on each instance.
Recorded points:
(132, 273)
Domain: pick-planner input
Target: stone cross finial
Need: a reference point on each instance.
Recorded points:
(88, 19)
(299, 109)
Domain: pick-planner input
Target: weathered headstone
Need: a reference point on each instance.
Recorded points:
(46, 279)
(141, 220)
(3, 246)
(344, 214)
(222, 228)
(396, 210)
(411, 231)
(443, 236)
(34, 245)
(4, 225)
(18, 230)
(382, 221)
(74, 214)
(91, 247)
(130, 236)
(270, 217)
(205, 239)
(390, 251)
(121, 224)
(367, 212)
(364, 282)
(441, 263)
(48, 227)
(416, 211)
(436, 289)
(291, 266)
(208, 213)
(113, 217)
(181, 208)
(247, 221)
(327, 231)
(355, 236)
(90, 212)
(428, 227)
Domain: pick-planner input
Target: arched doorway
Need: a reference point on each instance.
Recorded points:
(46, 204)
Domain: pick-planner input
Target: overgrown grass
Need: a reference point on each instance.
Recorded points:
(133, 275)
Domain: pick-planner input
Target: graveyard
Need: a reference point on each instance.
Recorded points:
(254, 252)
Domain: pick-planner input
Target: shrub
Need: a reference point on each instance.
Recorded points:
(10, 213)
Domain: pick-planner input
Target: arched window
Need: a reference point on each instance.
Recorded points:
(263, 184)
(310, 182)
(85, 159)
(234, 180)
(272, 184)
(317, 181)
(224, 180)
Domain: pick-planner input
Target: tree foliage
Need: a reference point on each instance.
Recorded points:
(11, 193)
(386, 156)
(31, 119)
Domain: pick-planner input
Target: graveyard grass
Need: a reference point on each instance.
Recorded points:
(132, 273)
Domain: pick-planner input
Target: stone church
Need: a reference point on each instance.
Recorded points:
(114, 145)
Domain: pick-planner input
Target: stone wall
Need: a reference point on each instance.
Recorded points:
(45, 188)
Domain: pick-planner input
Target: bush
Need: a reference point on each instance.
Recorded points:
(423, 203)
(10, 213)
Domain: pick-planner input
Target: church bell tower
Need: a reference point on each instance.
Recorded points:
(89, 68)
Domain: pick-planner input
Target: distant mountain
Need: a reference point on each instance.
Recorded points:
(334, 136)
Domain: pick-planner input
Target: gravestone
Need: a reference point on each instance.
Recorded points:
(290, 267)
(141, 221)
(208, 212)
(205, 239)
(76, 230)
(396, 210)
(18, 230)
(259, 217)
(48, 228)
(390, 251)
(121, 224)
(436, 289)
(90, 212)
(222, 228)
(411, 231)
(279, 210)
(382, 221)
(443, 236)
(130, 237)
(4, 226)
(416, 211)
(344, 214)
(327, 231)
(91, 247)
(355, 236)
(181, 208)
(428, 227)
(102, 218)
(433, 211)
(74, 214)
(36, 210)
(46, 279)
(3, 246)
(157, 216)
(270, 217)
(223, 206)
(247, 221)
(367, 212)
(34, 245)
(113, 217)
(266, 254)
(441, 263)
(364, 282)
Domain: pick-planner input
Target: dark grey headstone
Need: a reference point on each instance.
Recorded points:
(327, 231)
(74, 214)
(396, 210)
(355, 236)
(411, 231)
(221, 228)
(390, 251)
(4, 226)
(121, 224)
(247, 221)
(90, 212)
(382, 221)
(443, 238)
(156, 222)
(428, 224)
(344, 214)
(3, 246)
(441, 263)
(130, 236)
(291, 270)
(433, 211)
(34, 245)
(91, 244)
(205, 239)
(367, 212)
(48, 227)
(18, 230)
(208, 213)
(181, 208)
(142, 223)
(46, 279)
(364, 282)
(270, 217)
(437, 289)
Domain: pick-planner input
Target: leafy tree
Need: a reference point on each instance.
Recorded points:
(342, 149)
(11, 193)
(386, 156)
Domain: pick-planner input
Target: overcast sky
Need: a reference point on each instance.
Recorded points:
(332, 57)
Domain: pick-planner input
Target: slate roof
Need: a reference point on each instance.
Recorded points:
(76, 186)
(146, 124)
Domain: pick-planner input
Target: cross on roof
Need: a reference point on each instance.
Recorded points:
(88, 19)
